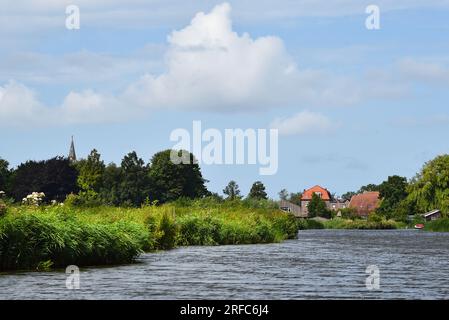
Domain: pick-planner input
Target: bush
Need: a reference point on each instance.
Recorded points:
(440, 225)
(3, 209)
(314, 224)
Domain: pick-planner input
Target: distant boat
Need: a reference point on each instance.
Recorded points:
(419, 226)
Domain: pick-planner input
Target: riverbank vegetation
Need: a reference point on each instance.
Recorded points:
(440, 225)
(56, 236)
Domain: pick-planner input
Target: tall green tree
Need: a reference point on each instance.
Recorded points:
(171, 181)
(429, 189)
(317, 207)
(55, 177)
(232, 190)
(135, 182)
(111, 185)
(283, 194)
(90, 175)
(257, 191)
(392, 192)
(5, 175)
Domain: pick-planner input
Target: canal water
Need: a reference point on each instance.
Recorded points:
(320, 264)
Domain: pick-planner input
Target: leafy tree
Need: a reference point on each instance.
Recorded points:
(232, 190)
(110, 185)
(171, 181)
(5, 175)
(429, 189)
(134, 184)
(392, 192)
(55, 177)
(317, 207)
(283, 194)
(257, 191)
(90, 175)
(368, 188)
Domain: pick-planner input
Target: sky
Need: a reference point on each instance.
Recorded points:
(352, 105)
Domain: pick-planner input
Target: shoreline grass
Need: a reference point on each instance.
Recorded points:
(440, 225)
(54, 237)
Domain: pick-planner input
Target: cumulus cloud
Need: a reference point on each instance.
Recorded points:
(209, 66)
(304, 122)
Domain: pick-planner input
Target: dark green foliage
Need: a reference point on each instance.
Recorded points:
(55, 177)
(232, 191)
(110, 187)
(440, 225)
(5, 175)
(134, 186)
(171, 181)
(392, 192)
(317, 207)
(257, 191)
(368, 188)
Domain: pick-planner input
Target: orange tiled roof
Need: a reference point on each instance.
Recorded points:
(325, 194)
(365, 203)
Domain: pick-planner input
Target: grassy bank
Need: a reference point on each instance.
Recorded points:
(440, 225)
(41, 238)
(339, 223)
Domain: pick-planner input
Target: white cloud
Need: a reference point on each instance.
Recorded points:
(19, 105)
(431, 72)
(209, 66)
(305, 122)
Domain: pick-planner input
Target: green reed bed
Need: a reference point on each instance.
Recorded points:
(41, 238)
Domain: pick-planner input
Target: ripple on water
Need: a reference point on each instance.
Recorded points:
(320, 264)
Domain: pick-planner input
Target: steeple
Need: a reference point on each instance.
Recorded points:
(72, 153)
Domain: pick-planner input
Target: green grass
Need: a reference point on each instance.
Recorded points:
(40, 238)
(339, 223)
(440, 225)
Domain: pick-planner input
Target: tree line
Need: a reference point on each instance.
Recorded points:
(427, 190)
(133, 183)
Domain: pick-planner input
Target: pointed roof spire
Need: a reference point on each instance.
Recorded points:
(72, 153)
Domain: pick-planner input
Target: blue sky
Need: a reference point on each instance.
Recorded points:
(360, 104)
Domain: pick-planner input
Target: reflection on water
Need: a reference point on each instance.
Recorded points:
(321, 264)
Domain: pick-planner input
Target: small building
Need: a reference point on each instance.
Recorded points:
(365, 203)
(302, 211)
(432, 215)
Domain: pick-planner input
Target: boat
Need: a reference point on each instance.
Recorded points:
(419, 226)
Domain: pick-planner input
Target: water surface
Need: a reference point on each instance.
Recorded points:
(320, 264)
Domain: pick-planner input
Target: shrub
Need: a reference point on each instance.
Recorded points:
(3, 209)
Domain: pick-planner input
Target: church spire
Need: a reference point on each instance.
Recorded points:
(72, 153)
